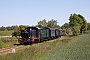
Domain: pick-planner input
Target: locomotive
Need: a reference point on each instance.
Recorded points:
(34, 35)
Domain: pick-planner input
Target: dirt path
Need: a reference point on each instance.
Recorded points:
(4, 36)
(9, 50)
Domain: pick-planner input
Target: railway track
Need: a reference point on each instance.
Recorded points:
(9, 50)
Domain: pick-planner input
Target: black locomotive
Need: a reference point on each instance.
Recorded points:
(33, 34)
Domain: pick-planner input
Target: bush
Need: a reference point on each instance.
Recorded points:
(76, 30)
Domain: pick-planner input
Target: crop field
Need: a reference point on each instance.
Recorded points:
(69, 48)
(6, 33)
(77, 49)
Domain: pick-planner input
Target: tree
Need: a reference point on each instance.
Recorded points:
(74, 20)
(79, 22)
(83, 24)
(76, 30)
(65, 26)
(88, 26)
(22, 27)
(42, 23)
(3, 28)
(7, 28)
(88, 29)
(17, 30)
(53, 24)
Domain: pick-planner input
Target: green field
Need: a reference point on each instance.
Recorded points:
(69, 48)
(77, 49)
(6, 33)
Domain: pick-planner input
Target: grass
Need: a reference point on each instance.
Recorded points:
(36, 51)
(7, 42)
(6, 33)
(77, 49)
(65, 49)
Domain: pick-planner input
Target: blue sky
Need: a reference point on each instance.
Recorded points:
(29, 12)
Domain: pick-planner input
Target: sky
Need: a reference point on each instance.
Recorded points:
(29, 12)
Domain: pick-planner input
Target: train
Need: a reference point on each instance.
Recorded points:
(35, 35)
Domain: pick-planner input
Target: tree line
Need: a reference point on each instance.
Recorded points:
(8, 28)
(50, 23)
(77, 25)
